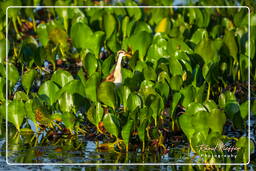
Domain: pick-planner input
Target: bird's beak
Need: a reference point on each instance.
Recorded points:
(127, 54)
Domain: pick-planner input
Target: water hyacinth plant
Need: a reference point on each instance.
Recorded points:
(135, 79)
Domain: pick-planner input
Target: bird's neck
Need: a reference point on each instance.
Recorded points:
(117, 72)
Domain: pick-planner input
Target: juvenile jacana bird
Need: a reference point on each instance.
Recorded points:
(116, 76)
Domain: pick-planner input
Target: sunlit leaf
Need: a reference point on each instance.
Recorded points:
(16, 113)
(48, 91)
(106, 94)
(27, 79)
(110, 125)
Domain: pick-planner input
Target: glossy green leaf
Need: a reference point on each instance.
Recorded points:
(124, 92)
(20, 95)
(206, 50)
(149, 73)
(109, 24)
(175, 100)
(90, 63)
(176, 82)
(106, 94)
(126, 131)
(58, 36)
(110, 125)
(230, 42)
(178, 45)
(210, 105)
(68, 120)
(16, 113)
(163, 25)
(42, 34)
(140, 42)
(157, 107)
(217, 120)
(2, 50)
(48, 91)
(91, 87)
(2, 84)
(27, 79)
(175, 67)
(81, 35)
(133, 102)
(185, 121)
(13, 75)
(244, 109)
(200, 122)
(61, 77)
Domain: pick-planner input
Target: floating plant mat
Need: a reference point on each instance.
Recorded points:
(127, 85)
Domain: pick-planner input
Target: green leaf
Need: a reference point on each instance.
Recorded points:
(210, 105)
(163, 25)
(72, 87)
(2, 50)
(124, 92)
(176, 82)
(185, 121)
(140, 42)
(95, 114)
(175, 45)
(135, 12)
(206, 50)
(149, 73)
(198, 35)
(126, 131)
(91, 87)
(109, 22)
(68, 120)
(2, 84)
(163, 89)
(110, 125)
(58, 36)
(157, 107)
(27, 79)
(125, 22)
(90, 63)
(81, 35)
(16, 113)
(13, 75)
(175, 100)
(20, 95)
(142, 26)
(133, 102)
(230, 42)
(29, 111)
(217, 120)
(194, 108)
(42, 34)
(232, 109)
(63, 12)
(106, 94)
(61, 77)
(244, 109)
(200, 122)
(66, 102)
(142, 130)
(175, 67)
(48, 91)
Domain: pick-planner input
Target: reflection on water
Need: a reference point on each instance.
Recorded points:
(80, 150)
(29, 148)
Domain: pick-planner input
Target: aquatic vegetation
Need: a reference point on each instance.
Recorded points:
(186, 76)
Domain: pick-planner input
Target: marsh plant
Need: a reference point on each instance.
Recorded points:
(186, 78)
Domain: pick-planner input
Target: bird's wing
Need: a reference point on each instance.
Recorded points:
(110, 77)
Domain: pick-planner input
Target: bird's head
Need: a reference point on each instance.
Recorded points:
(123, 53)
